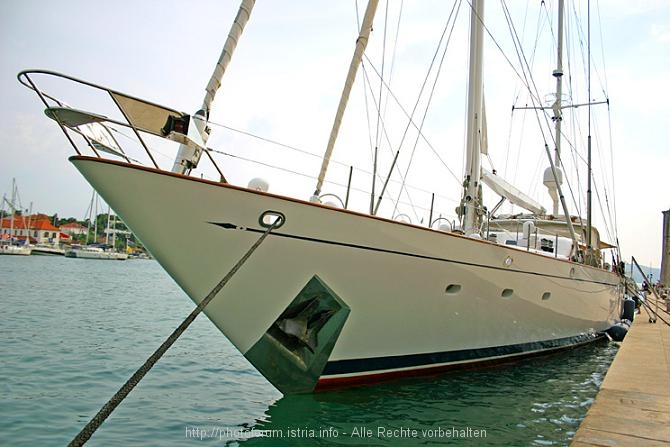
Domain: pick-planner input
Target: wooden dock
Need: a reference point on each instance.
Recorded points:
(632, 407)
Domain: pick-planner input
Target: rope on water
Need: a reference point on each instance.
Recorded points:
(90, 428)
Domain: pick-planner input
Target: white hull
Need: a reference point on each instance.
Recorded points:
(47, 251)
(418, 298)
(14, 250)
(85, 253)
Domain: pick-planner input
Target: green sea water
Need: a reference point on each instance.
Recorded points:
(72, 331)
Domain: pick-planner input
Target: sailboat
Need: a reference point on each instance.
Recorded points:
(335, 297)
(8, 245)
(98, 251)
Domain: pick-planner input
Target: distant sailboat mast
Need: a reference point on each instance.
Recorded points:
(12, 239)
(188, 156)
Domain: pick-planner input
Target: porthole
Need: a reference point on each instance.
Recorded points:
(453, 289)
(507, 293)
(546, 295)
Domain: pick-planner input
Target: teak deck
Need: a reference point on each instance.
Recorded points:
(633, 404)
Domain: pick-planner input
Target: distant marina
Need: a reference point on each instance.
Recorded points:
(101, 236)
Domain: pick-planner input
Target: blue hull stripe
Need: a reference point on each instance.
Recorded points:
(427, 360)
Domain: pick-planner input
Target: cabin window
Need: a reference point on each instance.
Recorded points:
(547, 245)
(453, 289)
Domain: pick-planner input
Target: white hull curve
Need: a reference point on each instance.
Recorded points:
(15, 250)
(412, 291)
(86, 253)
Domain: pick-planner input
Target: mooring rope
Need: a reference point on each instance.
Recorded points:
(90, 428)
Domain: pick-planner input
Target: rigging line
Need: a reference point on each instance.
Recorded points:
(107, 409)
(509, 62)
(386, 98)
(397, 168)
(393, 56)
(365, 89)
(402, 109)
(539, 29)
(395, 164)
(580, 29)
(516, 96)
(432, 91)
(600, 150)
(530, 84)
(277, 143)
(311, 177)
(602, 49)
(539, 26)
(536, 95)
(367, 108)
(384, 132)
(281, 145)
(524, 63)
(602, 213)
(379, 111)
(612, 214)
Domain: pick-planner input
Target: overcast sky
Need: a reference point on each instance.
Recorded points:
(284, 85)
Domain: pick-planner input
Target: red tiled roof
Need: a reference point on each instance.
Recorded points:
(72, 225)
(34, 222)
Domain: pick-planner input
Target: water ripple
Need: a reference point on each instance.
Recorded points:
(73, 331)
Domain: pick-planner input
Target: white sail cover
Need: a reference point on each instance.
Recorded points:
(511, 193)
(361, 43)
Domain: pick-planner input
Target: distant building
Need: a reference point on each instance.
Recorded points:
(36, 229)
(73, 229)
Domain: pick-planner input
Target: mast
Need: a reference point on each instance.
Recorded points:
(553, 177)
(589, 211)
(2, 211)
(109, 216)
(471, 199)
(361, 43)
(95, 217)
(13, 207)
(188, 157)
(558, 74)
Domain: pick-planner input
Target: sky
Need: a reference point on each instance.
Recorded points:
(284, 83)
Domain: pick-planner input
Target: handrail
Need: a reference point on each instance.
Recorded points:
(32, 86)
(122, 101)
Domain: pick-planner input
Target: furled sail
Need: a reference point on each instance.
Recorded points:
(361, 43)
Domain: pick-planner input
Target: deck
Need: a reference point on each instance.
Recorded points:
(633, 404)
